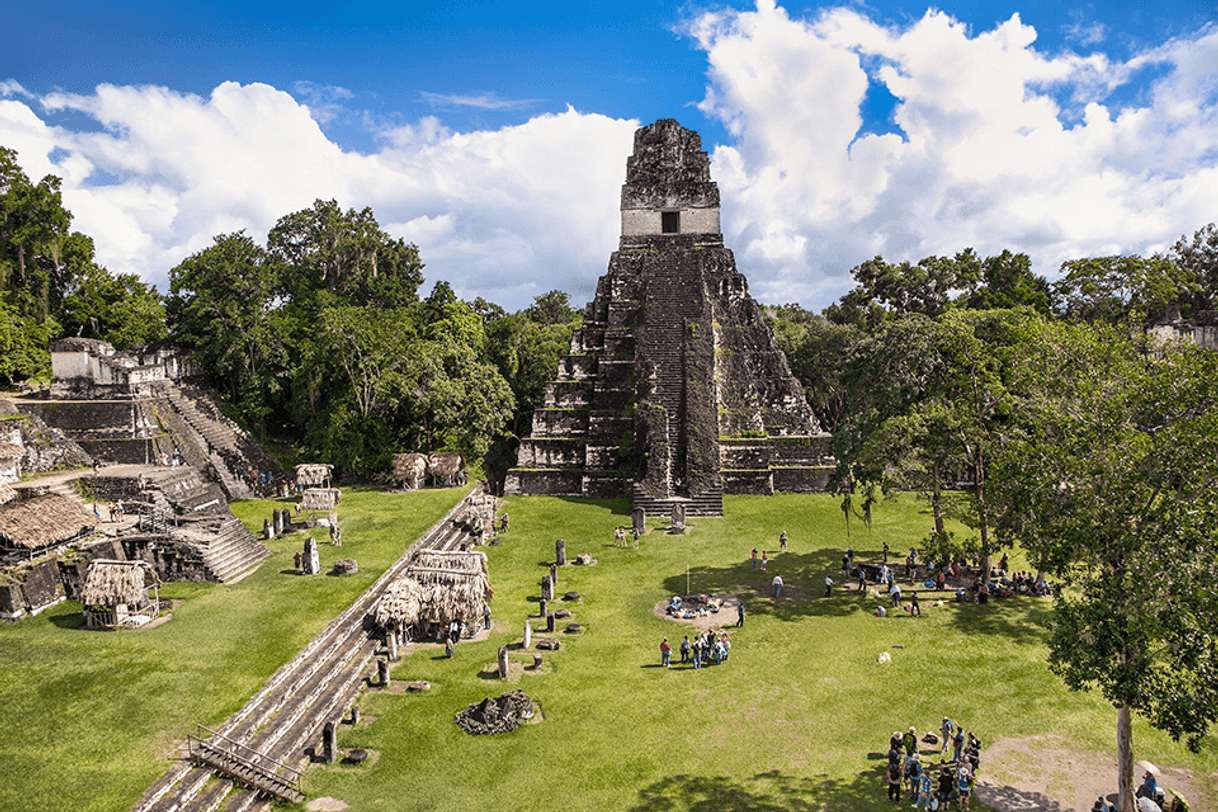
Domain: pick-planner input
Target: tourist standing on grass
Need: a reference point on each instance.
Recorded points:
(740, 614)
(685, 649)
(296, 560)
(910, 741)
(946, 785)
(946, 730)
(915, 608)
(885, 552)
(963, 788)
(958, 744)
(862, 580)
(828, 587)
(777, 585)
(845, 564)
(665, 652)
(764, 560)
(894, 782)
(782, 541)
(894, 592)
(924, 789)
(754, 558)
(697, 651)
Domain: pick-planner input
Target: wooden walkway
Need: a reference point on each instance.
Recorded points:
(283, 721)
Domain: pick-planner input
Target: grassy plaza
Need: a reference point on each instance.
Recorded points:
(797, 718)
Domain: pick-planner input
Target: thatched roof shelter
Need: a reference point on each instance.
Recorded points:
(314, 474)
(320, 499)
(7, 494)
(400, 603)
(438, 587)
(116, 593)
(409, 468)
(43, 522)
(445, 463)
(109, 582)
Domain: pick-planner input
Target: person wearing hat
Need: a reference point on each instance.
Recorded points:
(910, 740)
(946, 730)
(963, 787)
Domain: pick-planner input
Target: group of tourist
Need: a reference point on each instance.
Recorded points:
(705, 648)
(619, 537)
(933, 788)
(116, 510)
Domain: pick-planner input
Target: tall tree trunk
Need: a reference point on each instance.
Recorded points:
(1125, 802)
(983, 519)
(936, 504)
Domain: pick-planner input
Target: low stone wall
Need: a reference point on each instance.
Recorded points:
(550, 422)
(749, 483)
(803, 479)
(549, 452)
(802, 450)
(544, 481)
(122, 452)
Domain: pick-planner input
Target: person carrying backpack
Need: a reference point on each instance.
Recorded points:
(894, 781)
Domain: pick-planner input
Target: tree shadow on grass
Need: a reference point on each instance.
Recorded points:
(802, 595)
(772, 791)
(1019, 619)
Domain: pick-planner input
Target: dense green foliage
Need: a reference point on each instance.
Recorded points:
(321, 339)
(51, 287)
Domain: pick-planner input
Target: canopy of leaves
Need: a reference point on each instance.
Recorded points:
(1113, 488)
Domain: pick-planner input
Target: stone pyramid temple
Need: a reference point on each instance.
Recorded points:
(674, 390)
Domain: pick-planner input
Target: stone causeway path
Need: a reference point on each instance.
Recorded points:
(284, 720)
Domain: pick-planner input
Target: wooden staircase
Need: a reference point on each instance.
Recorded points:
(245, 765)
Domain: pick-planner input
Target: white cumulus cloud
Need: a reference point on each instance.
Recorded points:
(983, 152)
(992, 144)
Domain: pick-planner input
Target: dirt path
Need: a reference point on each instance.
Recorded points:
(1042, 774)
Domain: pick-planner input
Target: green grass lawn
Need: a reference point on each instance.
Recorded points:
(92, 716)
(796, 719)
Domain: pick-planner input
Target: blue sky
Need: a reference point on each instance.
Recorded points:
(495, 134)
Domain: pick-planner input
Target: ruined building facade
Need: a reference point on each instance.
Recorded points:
(674, 389)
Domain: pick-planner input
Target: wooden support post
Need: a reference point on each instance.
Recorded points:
(391, 645)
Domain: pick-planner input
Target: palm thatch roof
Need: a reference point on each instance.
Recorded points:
(320, 498)
(313, 474)
(7, 494)
(409, 466)
(445, 463)
(109, 582)
(43, 521)
(400, 603)
(439, 587)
